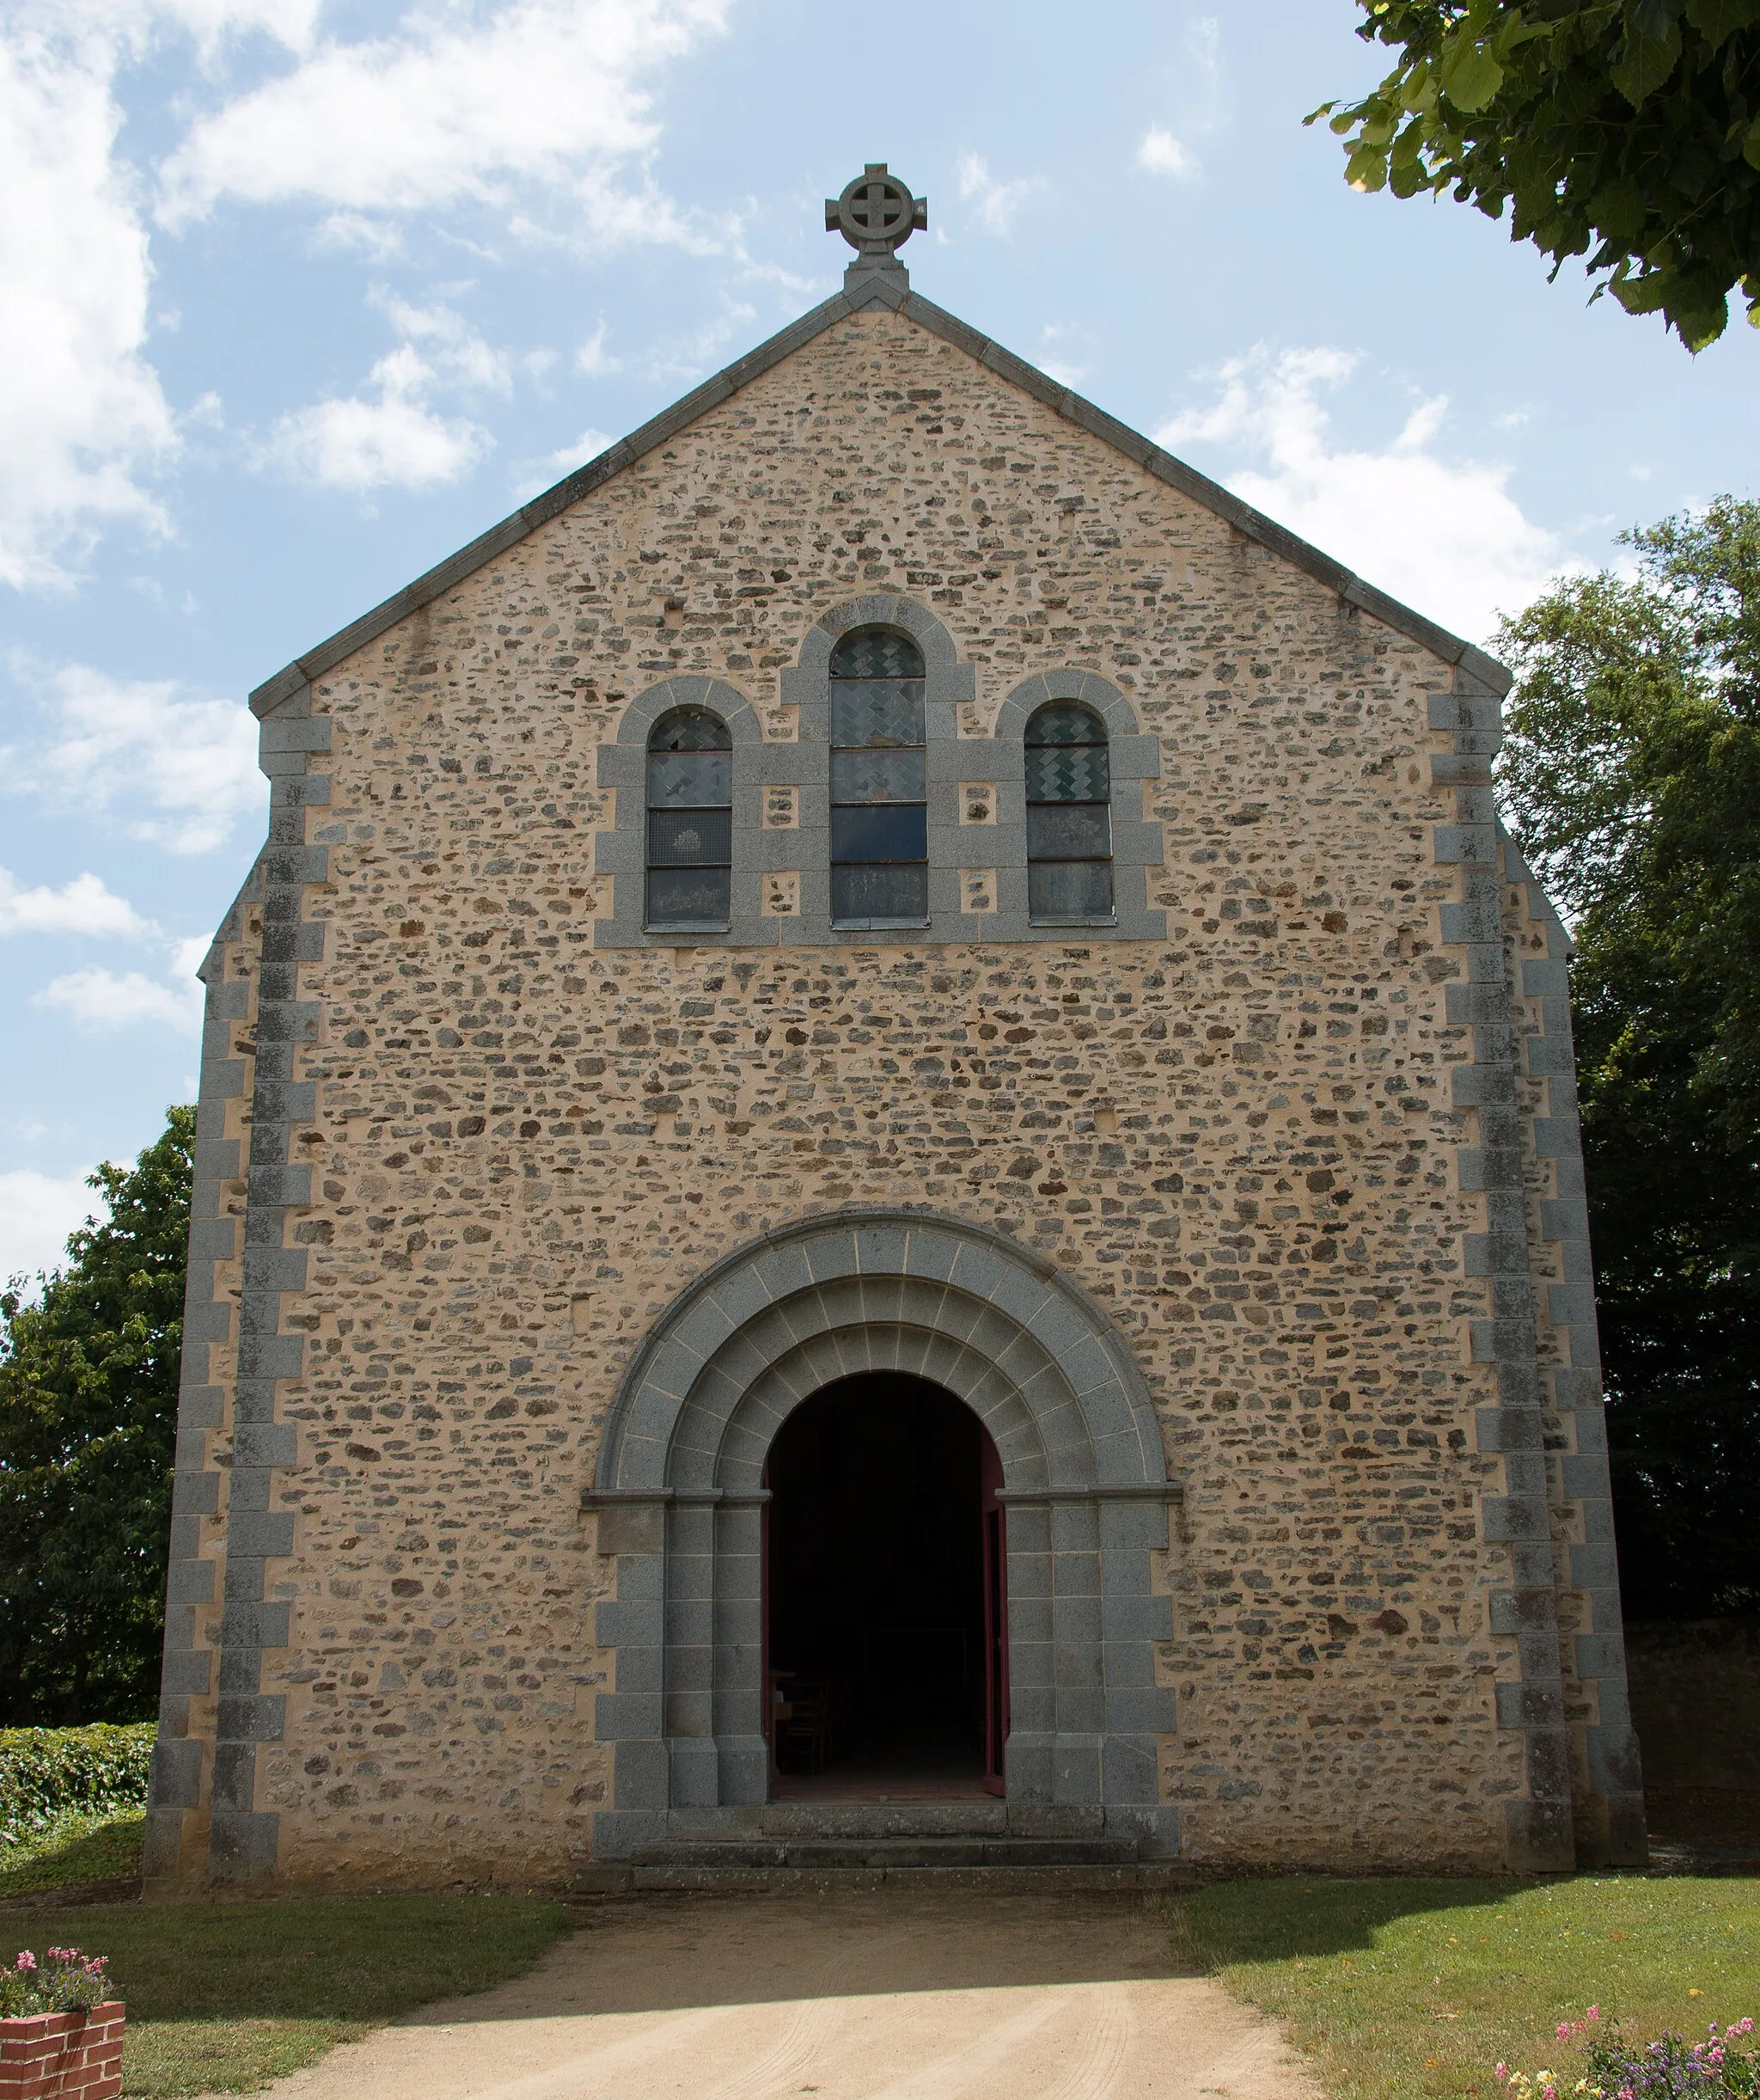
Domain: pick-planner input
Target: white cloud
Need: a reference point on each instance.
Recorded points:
(994, 203)
(103, 1000)
(698, 354)
(83, 421)
(447, 108)
(593, 360)
(455, 348)
(1203, 68)
(37, 1213)
(354, 233)
(176, 772)
(84, 905)
(395, 442)
(1063, 370)
(208, 22)
(1162, 154)
(544, 473)
(1445, 535)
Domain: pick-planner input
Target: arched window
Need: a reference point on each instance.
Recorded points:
(1069, 824)
(879, 807)
(690, 821)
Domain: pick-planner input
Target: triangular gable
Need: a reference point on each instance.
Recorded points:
(887, 287)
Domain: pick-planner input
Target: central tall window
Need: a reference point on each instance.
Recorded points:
(879, 807)
(690, 821)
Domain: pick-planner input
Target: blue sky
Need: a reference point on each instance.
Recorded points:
(301, 296)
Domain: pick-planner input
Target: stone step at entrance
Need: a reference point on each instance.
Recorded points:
(854, 1850)
(987, 1818)
(898, 1863)
(982, 1842)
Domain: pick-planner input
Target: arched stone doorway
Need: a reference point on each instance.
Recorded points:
(681, 1491)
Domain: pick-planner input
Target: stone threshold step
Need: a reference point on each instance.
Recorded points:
(727, 1880)
(911, 1850)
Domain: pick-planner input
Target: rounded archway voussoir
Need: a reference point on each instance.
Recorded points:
(880, 1248)
(831, 1255)
(942, 1297)
(885, 1300)
(951, 1364)
(839, 1301)
(931, 1250)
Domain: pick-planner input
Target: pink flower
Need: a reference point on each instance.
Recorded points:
(1564, 2031)
(1593, 2013)
(27, 1960)
(1503, 2074)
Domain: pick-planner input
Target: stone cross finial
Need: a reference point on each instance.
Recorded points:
(876, 214)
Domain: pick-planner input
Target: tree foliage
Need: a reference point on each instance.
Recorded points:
(1632, 776)
(88, 1410)
(1627, 132)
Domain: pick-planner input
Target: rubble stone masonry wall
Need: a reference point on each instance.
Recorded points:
(491, 1149)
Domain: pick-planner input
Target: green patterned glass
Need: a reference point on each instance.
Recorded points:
(1069, 817)
(879, 807)
(690, 821)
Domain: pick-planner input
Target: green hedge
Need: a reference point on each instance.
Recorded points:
(47, 1773)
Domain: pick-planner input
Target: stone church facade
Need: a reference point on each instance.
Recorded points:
(886, 875)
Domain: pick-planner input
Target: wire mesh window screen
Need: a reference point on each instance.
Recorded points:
(879, 810)
(1069, 817)
(690, 821)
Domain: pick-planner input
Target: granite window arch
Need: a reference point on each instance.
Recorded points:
(816, 766)
(690, 821)
(879, 833)
(623, 847)
(1069, 815)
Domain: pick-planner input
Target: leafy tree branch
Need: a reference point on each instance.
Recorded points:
(1624, 131)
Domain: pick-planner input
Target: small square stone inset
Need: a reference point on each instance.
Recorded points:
(782, 725)
(977, 802)
(782, 808)
(782, 894)
(977, 889)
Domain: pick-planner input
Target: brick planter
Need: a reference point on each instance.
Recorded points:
(63, 2055)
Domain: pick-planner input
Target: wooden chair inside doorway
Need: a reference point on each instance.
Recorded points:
(802, 1719)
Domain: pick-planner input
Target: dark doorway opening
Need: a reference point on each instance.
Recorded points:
(885, 1603)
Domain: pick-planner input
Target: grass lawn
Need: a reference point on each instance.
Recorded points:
(222, 1997)
(76, 1848)
(1422, 1986)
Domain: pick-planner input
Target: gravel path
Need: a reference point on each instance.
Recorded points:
(894, 1993)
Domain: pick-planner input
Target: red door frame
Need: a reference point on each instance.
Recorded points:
(767, 1696)
(992, 1518)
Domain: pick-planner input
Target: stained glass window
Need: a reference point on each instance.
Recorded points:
(690, 821)
(879, 808)
(1069, 816)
